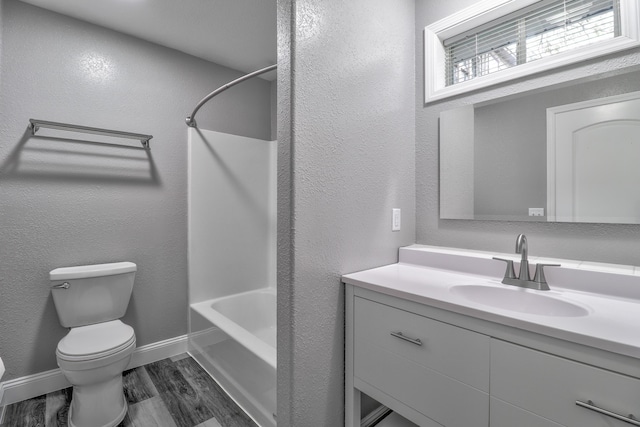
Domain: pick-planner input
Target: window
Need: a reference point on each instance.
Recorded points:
(534, 33)
(497, 40)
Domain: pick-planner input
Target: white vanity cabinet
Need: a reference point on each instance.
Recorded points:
(438, 374)
(513, 358)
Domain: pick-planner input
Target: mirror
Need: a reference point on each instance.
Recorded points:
(566, 154)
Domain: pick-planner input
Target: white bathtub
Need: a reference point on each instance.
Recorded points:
(234, 339)
(250, 318)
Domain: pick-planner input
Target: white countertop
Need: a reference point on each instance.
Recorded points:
(612, 322)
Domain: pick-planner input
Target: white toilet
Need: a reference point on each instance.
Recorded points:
(90, 299)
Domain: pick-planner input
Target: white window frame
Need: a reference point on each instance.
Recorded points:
(488, 10)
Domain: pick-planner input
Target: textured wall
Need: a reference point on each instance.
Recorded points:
(593, 242)
(76, 203)
(352, 134)
(285, 108)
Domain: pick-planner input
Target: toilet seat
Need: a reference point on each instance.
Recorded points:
(91, 346)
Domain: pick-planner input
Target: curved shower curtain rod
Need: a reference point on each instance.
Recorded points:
(191, 119)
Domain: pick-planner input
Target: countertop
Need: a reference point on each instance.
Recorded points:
(612, 321)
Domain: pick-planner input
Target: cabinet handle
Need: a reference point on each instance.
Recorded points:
(415, 341)
(591, 406)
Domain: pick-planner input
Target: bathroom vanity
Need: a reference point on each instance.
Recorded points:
(440, 340)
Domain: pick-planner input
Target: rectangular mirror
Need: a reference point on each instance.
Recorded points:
(567, 154)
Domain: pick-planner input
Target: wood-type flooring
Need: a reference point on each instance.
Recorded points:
(173, 392)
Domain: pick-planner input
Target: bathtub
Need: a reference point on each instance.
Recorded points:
(234, 339)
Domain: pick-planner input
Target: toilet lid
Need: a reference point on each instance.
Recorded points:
(95, 341)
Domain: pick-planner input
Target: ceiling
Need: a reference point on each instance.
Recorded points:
(239, 34)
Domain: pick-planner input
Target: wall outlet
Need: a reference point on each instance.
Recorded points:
(536, 211)
(395, 222)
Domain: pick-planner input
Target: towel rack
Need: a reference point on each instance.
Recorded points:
(35, 125)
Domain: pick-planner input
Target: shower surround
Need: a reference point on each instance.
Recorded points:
(232, 246)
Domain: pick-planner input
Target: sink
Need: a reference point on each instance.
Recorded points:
(519, 300)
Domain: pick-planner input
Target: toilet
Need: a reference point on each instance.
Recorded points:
(90, 299)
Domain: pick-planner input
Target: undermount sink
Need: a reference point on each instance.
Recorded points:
(519, 300)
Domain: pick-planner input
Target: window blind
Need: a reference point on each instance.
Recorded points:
(543, 29)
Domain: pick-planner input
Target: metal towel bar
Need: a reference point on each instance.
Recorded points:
(35, 124)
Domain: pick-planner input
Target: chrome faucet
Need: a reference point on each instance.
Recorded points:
(522, 248)
(523, 280)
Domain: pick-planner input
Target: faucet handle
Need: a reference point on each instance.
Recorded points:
(509, 273)
(539, 276)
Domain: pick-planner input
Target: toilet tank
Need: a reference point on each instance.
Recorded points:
(91, 294)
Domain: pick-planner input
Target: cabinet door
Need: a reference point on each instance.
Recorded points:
(458, 353)
(416, 360)
(504, 414)
(549, 386)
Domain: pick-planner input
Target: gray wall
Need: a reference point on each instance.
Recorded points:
(351, 125)
(284, 251)
(593, 242)
(69, 203)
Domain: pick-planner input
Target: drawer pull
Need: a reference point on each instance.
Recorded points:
(415, 341)
(590, 405)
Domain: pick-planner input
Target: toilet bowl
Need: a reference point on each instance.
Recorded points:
(92, 358)
(98, 347)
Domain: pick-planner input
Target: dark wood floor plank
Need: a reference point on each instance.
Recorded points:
(57, 409)
(168, 393)
(225, 410)
(28, 413)
(151, 412)
(210, 423)
(186, 406)
(138, 386)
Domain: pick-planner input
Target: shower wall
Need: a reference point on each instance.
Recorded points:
(232, 208)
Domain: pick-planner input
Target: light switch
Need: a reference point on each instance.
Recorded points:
(395, 224)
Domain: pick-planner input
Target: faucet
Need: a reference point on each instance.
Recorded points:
(523, 280)
(522, 248)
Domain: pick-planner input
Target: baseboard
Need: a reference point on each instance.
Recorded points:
(158, 350)
(19, 389)
(32, 385)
